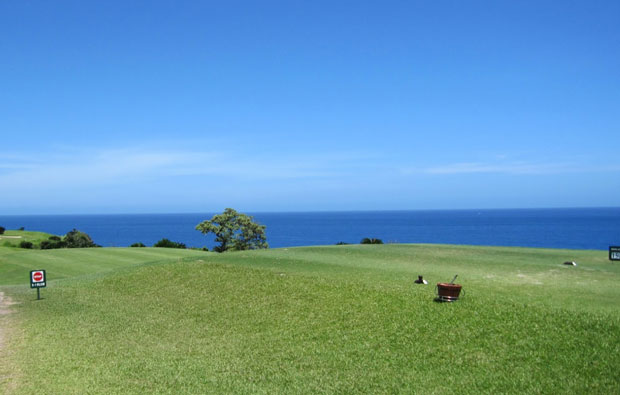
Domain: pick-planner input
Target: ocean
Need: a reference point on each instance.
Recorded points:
(572, 228)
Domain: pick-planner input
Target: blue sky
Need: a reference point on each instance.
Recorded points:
(168, 106)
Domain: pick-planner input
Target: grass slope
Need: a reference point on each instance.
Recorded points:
(324, 319)
(16, 264)
(12, 238)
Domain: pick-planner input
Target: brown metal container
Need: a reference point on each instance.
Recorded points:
(447, 292)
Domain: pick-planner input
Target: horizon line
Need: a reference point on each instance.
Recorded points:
(316, 211)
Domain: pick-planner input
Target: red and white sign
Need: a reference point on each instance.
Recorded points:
(38, 277)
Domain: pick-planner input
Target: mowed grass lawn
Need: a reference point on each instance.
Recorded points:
(338, 319)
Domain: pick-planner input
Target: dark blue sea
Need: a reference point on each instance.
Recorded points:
(575, 228)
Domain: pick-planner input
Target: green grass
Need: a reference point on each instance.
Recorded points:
(345, 319)
(16, 264)
(12, 238)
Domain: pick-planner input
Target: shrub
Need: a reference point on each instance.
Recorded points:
(165, 243)
(2, 229)
(26, 244)
(341, 243)
(137, 245)
(52, 243)
(46, 245)
(366, 240)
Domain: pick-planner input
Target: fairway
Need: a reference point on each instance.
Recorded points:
(336, 319)
(72, 262)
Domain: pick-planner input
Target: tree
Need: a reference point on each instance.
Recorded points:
(366, 240)
(77, 239)
(2, 229)
(234, 231)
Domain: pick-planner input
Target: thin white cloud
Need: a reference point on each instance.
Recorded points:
(16, 166)
(517, 168)
(280, 166)
(508, 168)
(75, 168)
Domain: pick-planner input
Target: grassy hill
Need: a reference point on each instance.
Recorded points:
(344, 319)
(12, 238)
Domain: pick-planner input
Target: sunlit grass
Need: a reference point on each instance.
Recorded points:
(344, 319)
